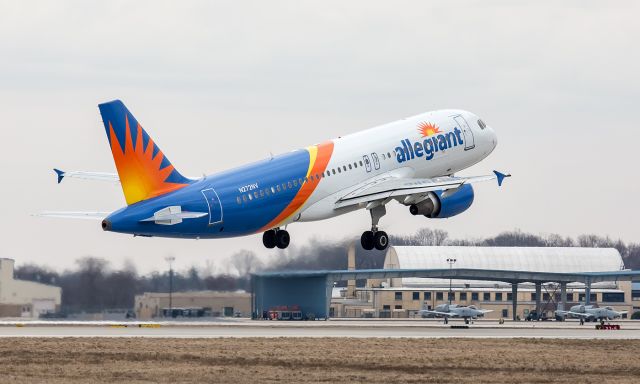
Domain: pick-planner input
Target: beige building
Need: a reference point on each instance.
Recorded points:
(28, 299)
(404, 297)
(154, 305)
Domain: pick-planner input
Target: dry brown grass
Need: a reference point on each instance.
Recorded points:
(261, 360)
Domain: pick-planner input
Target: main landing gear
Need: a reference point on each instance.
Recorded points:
(375, 238)
(276, 238)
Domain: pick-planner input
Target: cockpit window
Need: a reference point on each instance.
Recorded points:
(481, 124)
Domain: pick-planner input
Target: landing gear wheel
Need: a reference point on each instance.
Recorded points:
(367, 240)
(282, 239)
(269, 238)
(381, 240)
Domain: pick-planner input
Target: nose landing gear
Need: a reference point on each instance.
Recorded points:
(375, 238)
(276, 238)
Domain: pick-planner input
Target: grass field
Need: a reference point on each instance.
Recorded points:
(263, 360)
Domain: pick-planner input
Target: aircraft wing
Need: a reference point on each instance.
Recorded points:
(74, 215)
(399, 188)
(446, 314)
(579, 314)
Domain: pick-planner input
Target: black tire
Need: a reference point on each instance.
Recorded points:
(269, 239)
(282, 239)
(366, 240)
(381, 240)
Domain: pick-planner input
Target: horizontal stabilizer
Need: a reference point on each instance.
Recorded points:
(100, 176)
(74, 215)
(173, 215)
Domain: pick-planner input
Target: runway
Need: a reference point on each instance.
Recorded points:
(318, 329)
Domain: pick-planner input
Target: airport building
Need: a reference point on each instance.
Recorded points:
(26, 299)
(154, 305)
(403, 297)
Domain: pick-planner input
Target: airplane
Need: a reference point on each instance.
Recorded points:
(454, 310)
(591, 313)
(411, 161)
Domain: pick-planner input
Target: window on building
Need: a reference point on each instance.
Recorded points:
(439, 296)
(509, 296)
(398, 307)
(474, 296)
(505, 313)
(451, 296)
(386, 307)
(427, 295)
(613, 297)
(533, 296)
(416, 295)
(498, 296)
(545, 296)
(486, 296)
(463, 296)
(593, 297)
(398, 295)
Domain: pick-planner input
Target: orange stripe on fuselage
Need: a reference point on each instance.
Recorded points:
(322, 158)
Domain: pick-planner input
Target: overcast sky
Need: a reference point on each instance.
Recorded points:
(218, 84)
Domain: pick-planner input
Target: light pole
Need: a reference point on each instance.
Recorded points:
(170, 260)
(451, 262)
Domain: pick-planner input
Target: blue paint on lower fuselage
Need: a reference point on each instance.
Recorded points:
(237, 219)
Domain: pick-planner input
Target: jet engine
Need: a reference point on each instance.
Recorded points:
(444, 204)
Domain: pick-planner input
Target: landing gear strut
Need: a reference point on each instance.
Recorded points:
(375, 238)
(276, 238)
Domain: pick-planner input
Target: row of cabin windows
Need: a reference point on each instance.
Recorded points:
(266, 192)
(611, 297)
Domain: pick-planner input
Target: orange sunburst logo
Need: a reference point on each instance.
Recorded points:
(138, 169)
(428, 129)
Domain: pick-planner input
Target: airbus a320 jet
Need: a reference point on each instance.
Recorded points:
(410, 161)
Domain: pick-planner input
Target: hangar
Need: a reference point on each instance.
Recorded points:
(20, 298)
(540, 279)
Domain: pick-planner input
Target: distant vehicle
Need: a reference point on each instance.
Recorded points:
(411, 161)
(533, 316)
(591, 313)
(454, 310)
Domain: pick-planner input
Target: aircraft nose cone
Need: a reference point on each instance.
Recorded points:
(106, 225)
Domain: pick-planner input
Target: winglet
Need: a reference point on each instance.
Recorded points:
(501, 177)
(60, 175)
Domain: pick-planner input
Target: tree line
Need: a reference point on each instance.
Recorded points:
(93, 285)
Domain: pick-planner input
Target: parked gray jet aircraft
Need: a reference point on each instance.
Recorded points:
(590, 313)
(454, 310)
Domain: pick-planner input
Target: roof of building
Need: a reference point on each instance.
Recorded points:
(535, 259)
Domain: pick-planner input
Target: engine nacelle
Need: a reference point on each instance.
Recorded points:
(439, 207)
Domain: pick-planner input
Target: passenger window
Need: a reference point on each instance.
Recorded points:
(350, 166)
(481, 124)
(300, 181)
(383, 157)
(389, 155)
(317, 177)
(250, 198)
(333, 171)
(244, 198)
(255, 194)
(355, 165)
(238, 199)
(289, 185)
(344, 168)
(267, 191)
(361, 163)
(339, 171)
(273, 190)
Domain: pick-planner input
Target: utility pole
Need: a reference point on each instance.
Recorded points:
(451, 262)
(170, 260)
